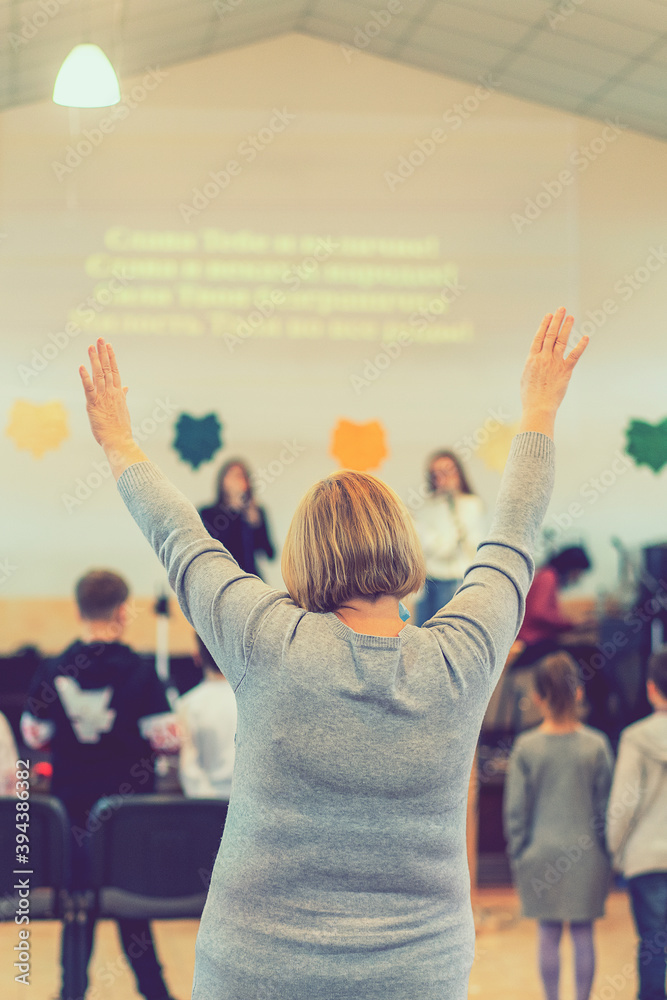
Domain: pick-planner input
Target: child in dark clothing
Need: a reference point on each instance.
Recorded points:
(104, 713)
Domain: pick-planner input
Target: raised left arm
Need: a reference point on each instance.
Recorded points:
(107, 409)
(222, 603)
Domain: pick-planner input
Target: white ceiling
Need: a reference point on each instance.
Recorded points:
(599, 58)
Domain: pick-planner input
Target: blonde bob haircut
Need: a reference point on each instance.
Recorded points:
(351, 536)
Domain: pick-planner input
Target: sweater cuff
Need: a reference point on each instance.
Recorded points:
(135, 476)
(533, 444)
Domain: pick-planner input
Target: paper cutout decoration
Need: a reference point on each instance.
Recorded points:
(38, 427)
(494, 451)
(197, 438)
(647, 443)
(359, 446)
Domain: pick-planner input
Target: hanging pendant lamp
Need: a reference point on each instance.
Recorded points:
(86, 80)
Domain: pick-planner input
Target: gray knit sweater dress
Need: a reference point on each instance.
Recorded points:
(554, 811)
(342, 872)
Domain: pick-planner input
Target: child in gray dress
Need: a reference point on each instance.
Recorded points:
(556, 793)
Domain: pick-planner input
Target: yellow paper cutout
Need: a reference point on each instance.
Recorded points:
(359, 446)
(37, 428)
(494, 451)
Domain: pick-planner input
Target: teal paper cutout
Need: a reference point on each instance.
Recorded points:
(197, 438)
(647, 443)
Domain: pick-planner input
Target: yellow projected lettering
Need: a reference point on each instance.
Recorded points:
(119, 239)
(439, 333)
(367, 275)
(106, 324)
(345, 329)
(153, 296)
(223, 324)
(202, 297)
(305, 328)
(101, 265)
(219, 241)
(243, 285)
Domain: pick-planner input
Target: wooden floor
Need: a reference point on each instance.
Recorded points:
(505, 955)
(504, 969)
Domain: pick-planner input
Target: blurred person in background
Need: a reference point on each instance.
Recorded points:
(236, 520)
(8, 758)
(555, 798)
(637, 828)
(547, 628)
(449, 526)
(545, 623)
(207, 722)
(104, 714)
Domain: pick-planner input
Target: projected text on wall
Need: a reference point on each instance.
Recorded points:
(243, 285)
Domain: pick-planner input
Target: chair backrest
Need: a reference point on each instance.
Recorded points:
(152, 855)
(47, 869)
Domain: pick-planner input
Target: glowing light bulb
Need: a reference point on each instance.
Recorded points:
(86, 80)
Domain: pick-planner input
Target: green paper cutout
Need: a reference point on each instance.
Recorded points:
(647, 443)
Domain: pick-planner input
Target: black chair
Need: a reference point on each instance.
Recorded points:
(48, 857)
(16, 674)
(152, 855)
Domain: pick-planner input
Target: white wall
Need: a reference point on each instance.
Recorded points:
(324, 174)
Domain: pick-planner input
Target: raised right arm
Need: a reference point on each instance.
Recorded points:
(547, 373)
(480, 623)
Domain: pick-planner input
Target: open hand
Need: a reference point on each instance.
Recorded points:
(105, 397)
(547, 371)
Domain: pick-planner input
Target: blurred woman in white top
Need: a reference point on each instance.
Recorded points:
(450, 527)
(207, 718)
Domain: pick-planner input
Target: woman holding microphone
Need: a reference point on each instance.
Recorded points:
(236, 519)
(449, 526)
(342, 871)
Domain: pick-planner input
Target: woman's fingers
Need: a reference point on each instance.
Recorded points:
(98, 374)
(104, 366)
(577, 351)
(538, 339)
(554, 326)
(88, 386)
(105, 363)
(114, 367)
(563, 336)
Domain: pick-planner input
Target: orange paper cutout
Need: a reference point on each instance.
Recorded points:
(359, 446)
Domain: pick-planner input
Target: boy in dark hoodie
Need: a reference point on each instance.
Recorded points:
(104, 714)
(637, 828)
